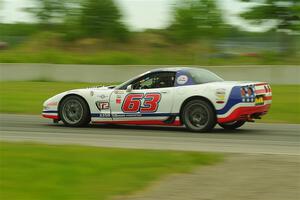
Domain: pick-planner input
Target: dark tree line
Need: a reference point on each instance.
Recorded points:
(192, 19)
(286, 13)
(81, 18)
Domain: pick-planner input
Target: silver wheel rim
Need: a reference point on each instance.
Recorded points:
(72, 111)
(198, 116)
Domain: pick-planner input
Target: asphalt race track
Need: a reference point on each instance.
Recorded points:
(253, 138)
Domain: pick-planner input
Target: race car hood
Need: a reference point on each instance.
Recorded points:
(101, 87)
(53, 101)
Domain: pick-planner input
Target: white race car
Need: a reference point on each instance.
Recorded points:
(194, 97)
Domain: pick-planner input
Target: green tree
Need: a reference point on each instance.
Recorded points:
(48, 11)
(285, 13)
(1, 4)
(1, 7)
(81, 18)
(102, 18)
(287, 17)
(195, 19)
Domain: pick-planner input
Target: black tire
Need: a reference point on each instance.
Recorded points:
(74, 111)
(232, 125)
(198, 116)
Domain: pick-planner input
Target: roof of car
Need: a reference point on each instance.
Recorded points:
(171, 69)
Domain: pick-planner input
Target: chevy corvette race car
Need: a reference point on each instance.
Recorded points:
(194, 97)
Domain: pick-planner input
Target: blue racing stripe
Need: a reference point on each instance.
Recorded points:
(120, 115)
(234, 98)
(50, 111)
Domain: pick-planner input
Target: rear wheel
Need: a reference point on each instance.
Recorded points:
(198, 116)
(74, 111)
(232, 125)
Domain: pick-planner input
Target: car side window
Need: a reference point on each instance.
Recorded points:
(155, 80)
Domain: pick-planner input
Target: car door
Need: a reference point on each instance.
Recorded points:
(149, 97)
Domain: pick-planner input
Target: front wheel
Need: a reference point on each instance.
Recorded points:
(74, 112)
(232, 125)
(198, 116)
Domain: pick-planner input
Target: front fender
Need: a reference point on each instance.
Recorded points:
(51, 105)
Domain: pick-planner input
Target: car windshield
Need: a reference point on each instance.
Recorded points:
(123, 86)
(200, 76)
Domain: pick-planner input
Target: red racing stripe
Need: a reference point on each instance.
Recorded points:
(262, 91)
(260, 84)
(267, 98)
(237, 113)
(50, 116)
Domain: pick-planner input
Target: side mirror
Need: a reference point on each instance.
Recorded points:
(129, 88)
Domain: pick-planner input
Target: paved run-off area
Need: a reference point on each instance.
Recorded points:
(266, 163)
(239, 177)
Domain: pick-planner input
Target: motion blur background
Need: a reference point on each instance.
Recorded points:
(189, 32)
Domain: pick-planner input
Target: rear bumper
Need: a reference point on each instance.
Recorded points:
(245, 113)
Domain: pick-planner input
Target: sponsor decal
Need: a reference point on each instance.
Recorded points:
(119, 91)
(104, 115)
(52, 104)
(102, 105)
(102, 96)
(133, 102)
(259, 100)
(220, 94)
(120, 115)
(118, 101)
(92, 93)
(182, 79)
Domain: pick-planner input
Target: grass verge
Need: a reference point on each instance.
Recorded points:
(38, 171)
(27, 98)
(285, 104)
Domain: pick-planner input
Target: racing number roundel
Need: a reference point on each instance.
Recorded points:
(133, 102)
